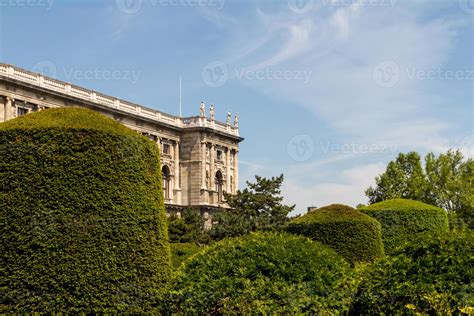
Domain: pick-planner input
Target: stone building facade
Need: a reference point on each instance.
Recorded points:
(199, 154)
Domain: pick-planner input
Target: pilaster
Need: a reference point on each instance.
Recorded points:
(8, 108)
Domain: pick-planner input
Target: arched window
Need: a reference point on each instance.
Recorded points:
(165, 171)
(219, 185)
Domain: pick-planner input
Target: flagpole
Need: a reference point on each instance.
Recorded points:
(180, 114)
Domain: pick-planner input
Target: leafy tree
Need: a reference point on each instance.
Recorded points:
(450, 180)
(446, 181)
(187, 228)
(230, 224)
(403, 178)
(257, 207)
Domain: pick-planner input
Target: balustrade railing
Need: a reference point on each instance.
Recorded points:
(108, 101)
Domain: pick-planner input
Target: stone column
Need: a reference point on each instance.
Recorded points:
(203, 165)
(2, 109)
(212, 172)
(177, 168)
(236, 170)
(8, 108)
(227, 164)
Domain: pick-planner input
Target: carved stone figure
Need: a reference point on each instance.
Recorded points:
(202, 109)
(212, 113)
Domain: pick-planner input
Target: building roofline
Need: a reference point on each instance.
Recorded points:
(88, 96)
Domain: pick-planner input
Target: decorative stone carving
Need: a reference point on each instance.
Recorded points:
(229, 115)
(202, 109)
(212, 112)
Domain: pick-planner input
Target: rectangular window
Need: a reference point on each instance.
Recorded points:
(166, 149)
(21, 111)
(219, 155)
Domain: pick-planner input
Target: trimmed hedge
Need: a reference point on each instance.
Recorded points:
(354, 235)
(432, 275)
(402, 220)
(263, 273)
(83, 224)
(180, 252)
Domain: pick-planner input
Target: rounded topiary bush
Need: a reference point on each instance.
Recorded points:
(83, 224)
(354, 235)
(431, 275)
(402, 220)
(263, 273)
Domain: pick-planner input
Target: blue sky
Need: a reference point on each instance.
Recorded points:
(328, 91)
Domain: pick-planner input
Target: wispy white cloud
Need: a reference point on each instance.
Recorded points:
(342, 56)
(343, 48)
(347, 189)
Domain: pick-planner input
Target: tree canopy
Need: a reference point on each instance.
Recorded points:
(445, 181)
(257, 207)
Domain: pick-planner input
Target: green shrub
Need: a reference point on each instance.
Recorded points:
(182, 251)
(432, 275)
(83, 224)
(402, 220)
(263, 273)
(354, 235)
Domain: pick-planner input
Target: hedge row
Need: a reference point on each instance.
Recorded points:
(83, 224)
(403, 220)
(180, 252)
(351, 233)
(263, 273)
(431, 275)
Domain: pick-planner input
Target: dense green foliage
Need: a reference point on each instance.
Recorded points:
(187, 228)
(263, 273)
(402, 220)
(351, 233)
(180, 252)
(257, 207)
(82, 216)
(430, 276)
(446, 181)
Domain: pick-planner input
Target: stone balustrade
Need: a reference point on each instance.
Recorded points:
(111, 102)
